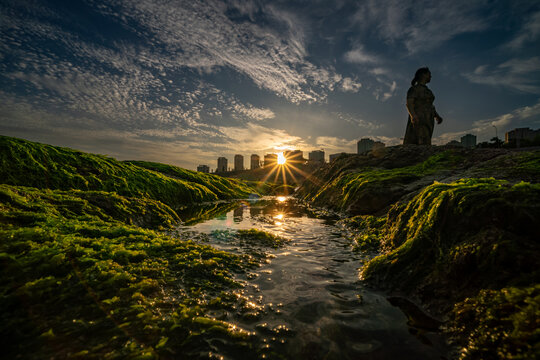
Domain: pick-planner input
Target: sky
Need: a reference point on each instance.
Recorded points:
(185, 82)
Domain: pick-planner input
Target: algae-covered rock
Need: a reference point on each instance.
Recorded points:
(26, 163)
(463, 243)
(453, 239)
(369, 184)
(502, 324)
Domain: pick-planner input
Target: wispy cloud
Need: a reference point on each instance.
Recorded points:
(420, 25)
(528, 34)
(519, 74)
(359, 55)
(201, 35)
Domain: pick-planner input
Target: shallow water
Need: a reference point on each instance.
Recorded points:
(306, 301)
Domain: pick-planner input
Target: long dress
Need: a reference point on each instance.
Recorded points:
(420, 133)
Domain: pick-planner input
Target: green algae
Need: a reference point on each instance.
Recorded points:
(501, 323)
(78, 280)
(365, 231)
(379, 185)
(260, 237)
(224, 188)
(27, 163)
(463, 243)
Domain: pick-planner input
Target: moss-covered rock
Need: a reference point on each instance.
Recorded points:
(369, 184)
(455, 244)
(502, 324)
(27, 163)
(78, 281)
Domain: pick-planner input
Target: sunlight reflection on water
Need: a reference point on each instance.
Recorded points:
(323, 310)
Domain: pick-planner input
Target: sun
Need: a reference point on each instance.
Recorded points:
(281, 160)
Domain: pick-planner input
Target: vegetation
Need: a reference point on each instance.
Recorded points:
(374, 188)
(86, 274)
(78, 281)
(26, 163)
(452, 241)
(261, 238)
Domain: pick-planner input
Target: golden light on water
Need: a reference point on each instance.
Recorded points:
(281, 198)
(281, 159)
(279, 217)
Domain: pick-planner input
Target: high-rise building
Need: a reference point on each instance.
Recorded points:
(238, 162)
(221, 164)
(270, 159)
(294, 156)
(519, 134)
(468, 140)
(366, 145)
(255, 161)
(316, 156)
(203, 168)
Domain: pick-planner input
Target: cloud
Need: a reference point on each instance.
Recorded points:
(203, 35)
(519, 74)
(255, 138)
(529, 32)
(350, 85)
(420, 25)
(359, 56)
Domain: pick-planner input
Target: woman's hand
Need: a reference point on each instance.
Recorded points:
(438, 118)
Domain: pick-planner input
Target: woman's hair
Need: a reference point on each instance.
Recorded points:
(419, 72)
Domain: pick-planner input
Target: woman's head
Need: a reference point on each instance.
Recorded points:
(422, 75)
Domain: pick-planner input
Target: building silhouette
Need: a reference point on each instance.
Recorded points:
(270, 160)
(294, 156)
(518, 135)
(238, 162)
(316, 156)
(468, 140)
(255, 162)
(221, 164)
(203, 168)
(366, 145)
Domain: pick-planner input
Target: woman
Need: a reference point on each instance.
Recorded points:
(422, 113)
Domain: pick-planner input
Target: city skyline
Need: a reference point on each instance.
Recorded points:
(184, 82)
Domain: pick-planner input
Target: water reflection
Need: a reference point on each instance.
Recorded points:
(305, 301)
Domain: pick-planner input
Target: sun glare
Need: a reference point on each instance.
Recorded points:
(281, 160)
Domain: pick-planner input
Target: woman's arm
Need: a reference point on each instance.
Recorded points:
(410, 109)
(437, 116)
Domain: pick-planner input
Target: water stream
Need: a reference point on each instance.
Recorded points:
(307, 300)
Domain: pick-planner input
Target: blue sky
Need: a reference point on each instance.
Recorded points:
(184, 82)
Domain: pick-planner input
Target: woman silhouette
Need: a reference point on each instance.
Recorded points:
(422, 113)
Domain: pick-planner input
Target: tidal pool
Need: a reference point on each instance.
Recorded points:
(306, 301)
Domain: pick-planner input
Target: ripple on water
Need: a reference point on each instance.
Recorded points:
(305, 301)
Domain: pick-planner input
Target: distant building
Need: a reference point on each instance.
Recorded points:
(294, 156)
(454, 143)
(255, 161)
(366, 145)
(519, 134)
(203, 168)
(468, 140)
(221, 165)
(238, 163)
(316, 156)
(270, 159)
(335, 156)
